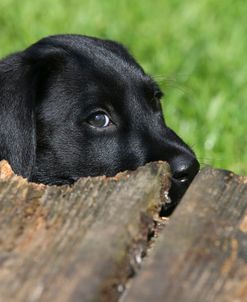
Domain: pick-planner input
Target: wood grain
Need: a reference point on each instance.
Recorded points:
(78, 243)
(201, 256)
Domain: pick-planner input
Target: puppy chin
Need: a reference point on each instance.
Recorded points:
(176, 192)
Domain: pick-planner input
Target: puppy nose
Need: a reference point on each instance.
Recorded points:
(184, 168)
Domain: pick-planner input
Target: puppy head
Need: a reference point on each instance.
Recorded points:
(75, 106)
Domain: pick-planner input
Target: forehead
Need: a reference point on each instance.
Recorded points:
(104, 58)
(98, 50)
(101, 70)
(95, 77)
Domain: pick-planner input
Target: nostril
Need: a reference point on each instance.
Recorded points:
(185, 171)
(182, 177)
(181, 174)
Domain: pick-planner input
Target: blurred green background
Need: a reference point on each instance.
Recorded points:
(196, 50)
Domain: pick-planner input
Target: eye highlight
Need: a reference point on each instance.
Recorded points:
(99, 120)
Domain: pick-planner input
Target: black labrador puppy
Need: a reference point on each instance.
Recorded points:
(73, 106)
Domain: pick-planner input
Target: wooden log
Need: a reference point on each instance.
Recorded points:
(78, 243)
(201, 256)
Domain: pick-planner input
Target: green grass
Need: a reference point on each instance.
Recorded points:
(197, 51)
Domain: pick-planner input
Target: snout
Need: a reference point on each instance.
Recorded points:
(182, 160)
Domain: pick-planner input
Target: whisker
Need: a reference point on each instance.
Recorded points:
(178, 86)
(174, 77)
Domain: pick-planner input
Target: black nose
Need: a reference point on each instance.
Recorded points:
(184, 168)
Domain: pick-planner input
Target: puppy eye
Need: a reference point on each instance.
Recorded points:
(99, 120)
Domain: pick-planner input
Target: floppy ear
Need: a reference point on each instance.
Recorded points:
(21, 76)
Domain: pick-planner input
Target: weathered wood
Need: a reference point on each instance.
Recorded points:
(201, 256)
(76, 243)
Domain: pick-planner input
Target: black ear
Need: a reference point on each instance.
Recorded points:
(21, 76)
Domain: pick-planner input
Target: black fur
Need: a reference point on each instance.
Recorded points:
(48, 95)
